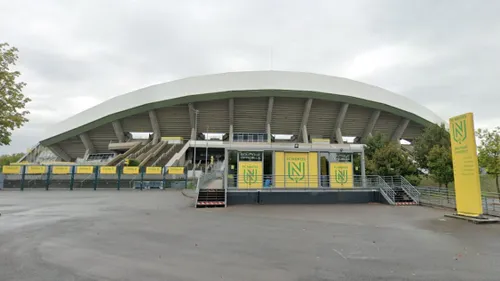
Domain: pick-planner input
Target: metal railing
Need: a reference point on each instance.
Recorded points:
(399, 182)
(303, 182)
(445, 198)
(387, 191)
(410, 189)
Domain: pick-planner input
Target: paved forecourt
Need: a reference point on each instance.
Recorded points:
(158, 235)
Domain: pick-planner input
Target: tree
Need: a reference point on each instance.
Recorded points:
(432, 135)
(440, 165)
(375, 143)
(12, 101)
(489, 153)
(7, 159)
(391, 160)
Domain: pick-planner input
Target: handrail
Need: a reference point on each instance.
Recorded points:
(410, 189)
(387, 191)
(164, 155)
(178, 155)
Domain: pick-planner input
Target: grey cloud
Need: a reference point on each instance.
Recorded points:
(101, 49)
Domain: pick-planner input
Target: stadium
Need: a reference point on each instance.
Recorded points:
(259, 129)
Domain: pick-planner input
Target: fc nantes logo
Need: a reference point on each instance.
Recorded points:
(296, 171)
(459, 131)
(341, 176)
(250, 175)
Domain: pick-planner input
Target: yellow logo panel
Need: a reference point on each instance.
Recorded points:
(131, 170)
(250, 174)
(175, 170)
(61, 170)
(465, 165)
(107, 170)
(36, 169)
(153, 170)
(9, 170)
(84, 169)
(341, 175)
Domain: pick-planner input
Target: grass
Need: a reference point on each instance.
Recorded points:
(487, 184)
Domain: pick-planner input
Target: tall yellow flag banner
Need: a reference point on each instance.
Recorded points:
(465, 166)
(250, 174)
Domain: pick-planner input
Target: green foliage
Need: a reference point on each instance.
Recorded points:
(13, 102)
(489, 153)
(440, 164)
(133, 163)
(375, 143)
(391, 160)
(433, 135)
(7, 159)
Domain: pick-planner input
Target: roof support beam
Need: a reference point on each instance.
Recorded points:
(155, 125)
(398, 133)
(305, 119)
(57, 150)
(89, 146)
(117, 127)
(371, 124)
(193, 116)
(269, 118)
(231, 119)
(337, 131)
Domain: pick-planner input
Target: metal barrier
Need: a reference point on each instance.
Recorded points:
(396, 182)
(445, 198)
(87, 177)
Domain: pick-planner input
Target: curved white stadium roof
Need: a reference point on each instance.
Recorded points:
(241, 84)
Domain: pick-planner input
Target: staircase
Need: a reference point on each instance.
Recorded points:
(404, 192)
(211, 198)
(157, 150)
(121, 157)
(211, 191)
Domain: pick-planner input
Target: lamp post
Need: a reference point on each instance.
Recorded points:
(195, 140)
(206, 152)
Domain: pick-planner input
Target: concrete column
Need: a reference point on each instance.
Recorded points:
(337, 131)
(155, 125)
(269, 117)
(398, 133)
(369, 127)
(363, 169)
(305, 119)
(89, 146)
(269, 134)
(117, 127)
(231, 133)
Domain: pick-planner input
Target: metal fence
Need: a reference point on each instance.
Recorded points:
(94, 179)
(445, 198)
(269, 182)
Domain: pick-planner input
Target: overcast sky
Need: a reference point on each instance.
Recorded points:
(76, 54)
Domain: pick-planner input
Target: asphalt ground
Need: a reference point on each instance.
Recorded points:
(158, 235)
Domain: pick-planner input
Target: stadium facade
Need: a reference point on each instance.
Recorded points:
(245, 107)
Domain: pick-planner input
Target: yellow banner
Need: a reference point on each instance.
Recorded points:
(36, 169)
(279, 169)
(341, 175)
(250, 174)
(9, 170)
(153, 170)
(175, 170)
(107, 170)
(465, 166)
(130, 170)
(324, 141)
(296, 170)
(84, 169)
(171, 138)
(61, 170)
(313, 170)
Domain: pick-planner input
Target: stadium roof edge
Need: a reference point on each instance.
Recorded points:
(240, 84)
